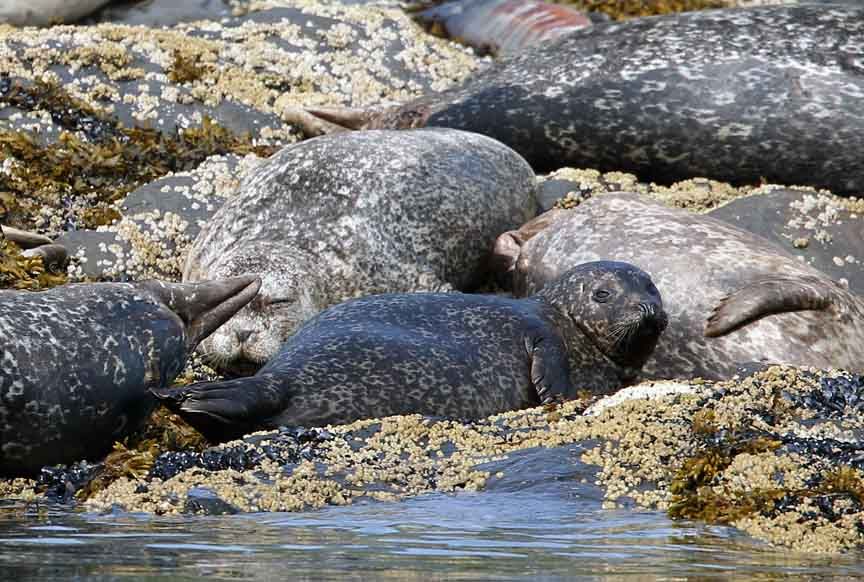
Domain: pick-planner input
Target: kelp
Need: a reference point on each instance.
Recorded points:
(95, 161)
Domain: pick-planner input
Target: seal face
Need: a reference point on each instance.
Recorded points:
(722, 94)
(732, 296)
(345, 215)
(78, 359)
(442, 354)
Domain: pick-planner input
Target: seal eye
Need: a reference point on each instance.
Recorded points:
(601, 295)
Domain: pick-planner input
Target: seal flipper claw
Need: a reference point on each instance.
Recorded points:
(767, 297)
(203, 307)
(226, 410)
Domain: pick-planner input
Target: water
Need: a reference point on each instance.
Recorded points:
(538, 523)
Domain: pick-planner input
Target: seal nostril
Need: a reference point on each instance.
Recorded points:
(243, 334)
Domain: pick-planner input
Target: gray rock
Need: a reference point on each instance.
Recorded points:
(824, 230)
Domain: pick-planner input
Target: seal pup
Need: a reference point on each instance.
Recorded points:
(732, 296)
(342, 216)
(442, 354)
(722, 94)
(78, 360)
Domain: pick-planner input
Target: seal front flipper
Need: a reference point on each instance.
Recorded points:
(768, 297)
(550, 368)
(223, 411)
(203, 307)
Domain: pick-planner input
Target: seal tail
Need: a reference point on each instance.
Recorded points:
(767, 297)
(227, 410)
(203, 307)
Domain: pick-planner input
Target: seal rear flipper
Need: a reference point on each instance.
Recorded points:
(315, 121)
(23, 238)
(54, 257)
(768, 297)
(226, 410)
(203, 307)
(508, 246)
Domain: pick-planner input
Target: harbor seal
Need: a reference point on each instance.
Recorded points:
(723, 94)
(442, 354)
(341, 216)
(732, 296)
(78, 359)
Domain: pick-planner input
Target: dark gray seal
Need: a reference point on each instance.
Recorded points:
(736, 95)
(732, 296)
(347, 215)
(78, 360)
(444, 354)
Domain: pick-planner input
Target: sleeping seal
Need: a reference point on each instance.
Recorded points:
(732, 296)
(77, 361)
(341, 216)
(745, 95)
(442, 354)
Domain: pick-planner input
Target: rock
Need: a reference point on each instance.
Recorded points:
(826, 231)
(202, 500)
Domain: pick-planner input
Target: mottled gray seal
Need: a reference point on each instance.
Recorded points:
(79, 358)
(723, 94)
(732, 296)
(442, 354)
(345, 215)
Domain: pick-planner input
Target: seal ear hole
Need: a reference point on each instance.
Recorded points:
(601, 295)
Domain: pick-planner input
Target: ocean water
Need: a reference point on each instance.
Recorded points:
(540, 522)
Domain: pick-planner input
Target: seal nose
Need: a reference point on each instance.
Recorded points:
(653, 314)
(243, 334)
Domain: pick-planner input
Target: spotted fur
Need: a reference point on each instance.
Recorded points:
(347, 215)
(77, 361)
(455, 355)
(736, 95)
(756, 301)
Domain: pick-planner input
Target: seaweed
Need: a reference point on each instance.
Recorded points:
(624, 9)
(693, 495)
(25, 273)
(95, 161)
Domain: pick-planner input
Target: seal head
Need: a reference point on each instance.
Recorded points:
(615, 306)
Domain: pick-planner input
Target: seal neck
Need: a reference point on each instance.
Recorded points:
(590, 367)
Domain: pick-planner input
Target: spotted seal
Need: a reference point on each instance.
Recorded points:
(79, 358)
(723, 94)
(442, 354)
(732, 296)
(341, 216)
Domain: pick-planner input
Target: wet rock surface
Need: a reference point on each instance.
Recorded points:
(826, 231)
